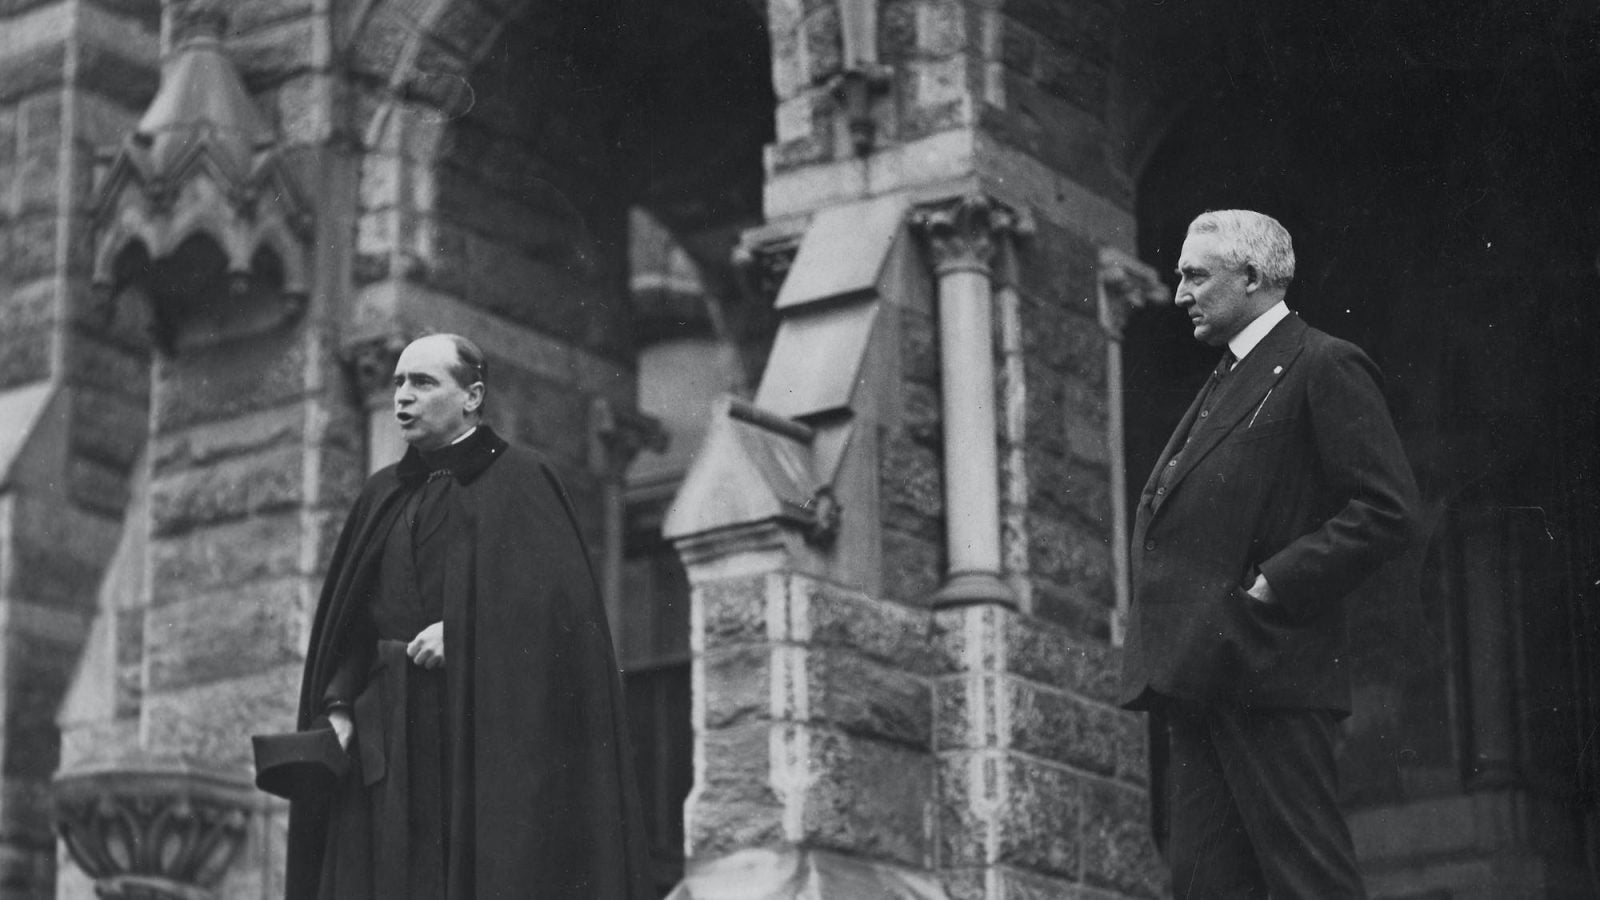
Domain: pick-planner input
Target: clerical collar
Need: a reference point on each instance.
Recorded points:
(1252, 334)
(463, 460)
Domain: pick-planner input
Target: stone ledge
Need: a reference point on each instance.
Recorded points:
(788, 872)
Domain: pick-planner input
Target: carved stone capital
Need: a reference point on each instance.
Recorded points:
(965, 234)
(1125, 284)
(370, 363)
(161, 833)
(619, 435)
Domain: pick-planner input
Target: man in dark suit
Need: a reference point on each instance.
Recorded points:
(1283, 488)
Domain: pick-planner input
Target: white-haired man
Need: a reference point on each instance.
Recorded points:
(1281, 490)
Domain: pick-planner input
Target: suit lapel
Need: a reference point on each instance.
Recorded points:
(1179, 434)
(1244, 390)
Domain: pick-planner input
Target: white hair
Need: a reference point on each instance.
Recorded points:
(1249, 237)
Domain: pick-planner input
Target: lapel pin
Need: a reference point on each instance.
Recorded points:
(1277, 370)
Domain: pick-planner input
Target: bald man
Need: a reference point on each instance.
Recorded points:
(460, 654)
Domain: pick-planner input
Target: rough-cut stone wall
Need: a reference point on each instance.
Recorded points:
(1032, 782)
(72, 76)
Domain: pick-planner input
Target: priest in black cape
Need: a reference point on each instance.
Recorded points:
(461, 655)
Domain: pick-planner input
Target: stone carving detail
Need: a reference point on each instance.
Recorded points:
(152, 835)
(764, 265)
(371, 365)
(618, 435)
(965, 234)
(200, 189)
(1126, 284)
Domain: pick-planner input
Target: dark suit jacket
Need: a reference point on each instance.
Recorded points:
(1295, 471)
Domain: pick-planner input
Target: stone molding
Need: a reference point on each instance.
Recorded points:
(151, 831)
(966, 234)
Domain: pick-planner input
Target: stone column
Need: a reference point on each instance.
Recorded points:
(962, 237)
(615, 438)
(1123, 284)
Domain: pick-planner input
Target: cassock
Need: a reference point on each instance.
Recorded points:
(505, 773)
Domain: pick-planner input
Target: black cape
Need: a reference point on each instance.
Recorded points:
(544, 804)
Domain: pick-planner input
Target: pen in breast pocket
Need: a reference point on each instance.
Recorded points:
(1258, 409)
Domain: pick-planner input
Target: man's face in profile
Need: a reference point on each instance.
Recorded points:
(430, 406)
(1216, 295)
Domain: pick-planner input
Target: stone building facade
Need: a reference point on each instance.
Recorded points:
(845, 322)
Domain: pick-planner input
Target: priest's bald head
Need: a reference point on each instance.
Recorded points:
(439, 389)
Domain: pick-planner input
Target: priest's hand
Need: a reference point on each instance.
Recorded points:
(427, 648)
(343, 727)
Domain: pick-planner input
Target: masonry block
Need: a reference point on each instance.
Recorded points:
(214, 383)
(1070, 553)
(863, 697)
(1052, 656)
(736, 685)
(1060, 728)
(111, 369)
(899, 635)
(735, 806)
(226, 634)
(215, 442)
(822, 43)
(1039, 827)
(108, 427)
(1118, 852)
(733, 611)
(466, 27)
(911, 565)
(27, 73)
(30, 246)
(867, 797)
(97, 486)
(213, 722)
(912, 484)
(232, 553)
(245, 486)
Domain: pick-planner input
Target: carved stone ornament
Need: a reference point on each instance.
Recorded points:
(203, 168)
(618, 435)
(371, 362)
(159, 833)
(964, 234)
(1125, 284)
(764, 264)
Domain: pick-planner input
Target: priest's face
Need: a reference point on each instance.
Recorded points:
(432, 408)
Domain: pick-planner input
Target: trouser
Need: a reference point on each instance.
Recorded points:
(1253, 798)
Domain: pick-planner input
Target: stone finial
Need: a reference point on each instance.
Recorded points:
(964, 234)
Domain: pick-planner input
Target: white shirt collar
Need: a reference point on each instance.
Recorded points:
(1251, 335)
(464, 435)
